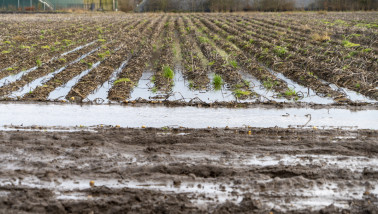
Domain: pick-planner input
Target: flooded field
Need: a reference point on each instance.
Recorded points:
(190, 59)
(72, 115)
(189, 113)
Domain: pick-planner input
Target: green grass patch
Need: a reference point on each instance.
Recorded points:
(217, 82)
(168, 72)
(290, 92)
(349, 44)
(121, 80)
(239, 93)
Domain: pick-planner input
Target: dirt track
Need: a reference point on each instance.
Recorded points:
(189, 171)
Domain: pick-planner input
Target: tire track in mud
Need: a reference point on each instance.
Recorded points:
(199, 170)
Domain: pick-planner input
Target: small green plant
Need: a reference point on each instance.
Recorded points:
(290, 92)
(211, 63)
(367, 50)
(280, 51)
(153, 78)
(67, 42)
(191, 84)
(349, 44)
(247, 83)
(217, 82)
(229, 38)
(269, 83)
(10, 69)
(168, 72)
(5, 52)
(121, 80)
(24, 47)
(358, 85)
(240, 93)
(154, 90)
(39, 62)
(203, 39)
(233, 63)
(45, 47)
(101, 40)
(7, 42)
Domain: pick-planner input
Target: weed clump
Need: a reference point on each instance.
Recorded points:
(217, 82)
(321, 37)
(280, 51)
(121, 80)
(290, 92)
(240, 93)
(168, 72)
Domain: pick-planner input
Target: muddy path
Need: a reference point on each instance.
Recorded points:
(178, 170)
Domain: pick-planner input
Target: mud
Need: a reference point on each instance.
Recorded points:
(179, 170)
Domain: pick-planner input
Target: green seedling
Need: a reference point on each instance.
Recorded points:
(217, 82)
(121, 80)
(290, 92)
(38, 62)
(280, 51)
(239, 93)
(349, 44)
(233, 63)
(168, 72)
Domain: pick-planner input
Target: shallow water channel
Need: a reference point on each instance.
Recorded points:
(68, 115)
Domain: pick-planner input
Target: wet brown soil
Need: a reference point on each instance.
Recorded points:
(178, 170)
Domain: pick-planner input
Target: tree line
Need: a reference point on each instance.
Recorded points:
(245, 5)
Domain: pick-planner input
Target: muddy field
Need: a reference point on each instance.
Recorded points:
(189, 113)
(178, 170)
(191, 59)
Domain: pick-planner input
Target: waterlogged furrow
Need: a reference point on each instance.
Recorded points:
(221, 66)
(289, 60)
(10, 80)
(98, 76)
(192, 58)
(131, 74)
(253, 46)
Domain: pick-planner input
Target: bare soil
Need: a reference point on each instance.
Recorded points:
(178, 170)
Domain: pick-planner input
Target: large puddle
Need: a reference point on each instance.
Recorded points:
(192, 117)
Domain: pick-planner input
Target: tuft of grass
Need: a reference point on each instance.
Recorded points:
(39, 62)
(233, 63)
(121, 80)
(203, 39)
(323, 37)
(45, 47)
(168, 72)
(239, 93)
(217, 82)
(290, 92)
(349, 44)
(269, 83)
(280, 51)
